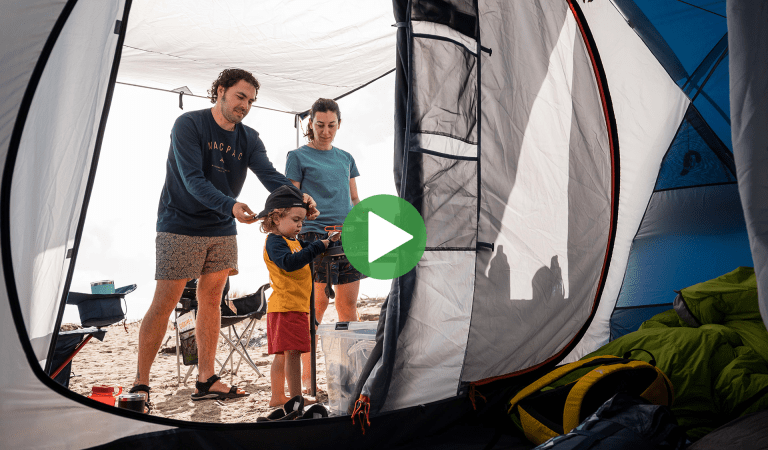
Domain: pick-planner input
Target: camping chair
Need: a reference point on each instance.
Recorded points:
(250, 309)
(96, 311)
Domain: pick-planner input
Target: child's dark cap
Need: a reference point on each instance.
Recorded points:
(286, 196)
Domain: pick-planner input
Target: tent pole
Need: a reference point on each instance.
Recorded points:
(312, 326)
(296, 122)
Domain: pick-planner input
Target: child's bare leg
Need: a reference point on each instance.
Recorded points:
(277, 381)
(321, 304)
(293, 374)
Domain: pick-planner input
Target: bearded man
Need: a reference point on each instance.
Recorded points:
(209, 157)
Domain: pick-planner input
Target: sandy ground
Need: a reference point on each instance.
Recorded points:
(113, 363)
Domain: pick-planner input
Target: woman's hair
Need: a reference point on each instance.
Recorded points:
(268, 224)
(230, 77)
(322, 105)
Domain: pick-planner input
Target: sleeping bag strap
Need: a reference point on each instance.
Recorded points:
(651, 362)
(556, 375)
(363, 411)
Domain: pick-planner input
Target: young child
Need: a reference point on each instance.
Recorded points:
(289, 273)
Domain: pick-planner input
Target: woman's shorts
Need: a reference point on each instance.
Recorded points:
(287, 331)
(181, 257)
(341, 273)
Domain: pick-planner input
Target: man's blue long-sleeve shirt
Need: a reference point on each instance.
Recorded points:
(205, 172)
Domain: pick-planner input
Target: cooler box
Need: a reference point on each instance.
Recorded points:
(346, 346)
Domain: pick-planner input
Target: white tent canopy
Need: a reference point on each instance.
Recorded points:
(297, 50)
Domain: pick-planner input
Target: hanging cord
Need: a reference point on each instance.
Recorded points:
(363, 410)
(125, 316)
(473, 394)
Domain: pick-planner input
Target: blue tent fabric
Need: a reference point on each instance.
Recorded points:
(693, 228)
(690, 40)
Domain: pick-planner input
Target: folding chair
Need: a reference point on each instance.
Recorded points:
(96, 311)
(250, 309)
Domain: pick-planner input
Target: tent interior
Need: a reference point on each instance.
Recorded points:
(574, 162)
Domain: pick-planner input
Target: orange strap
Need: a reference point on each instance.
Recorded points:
(362, 409)
(473, 394)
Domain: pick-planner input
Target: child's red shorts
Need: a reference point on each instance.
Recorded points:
(287, 331)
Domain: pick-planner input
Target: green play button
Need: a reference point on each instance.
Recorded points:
(384, 237)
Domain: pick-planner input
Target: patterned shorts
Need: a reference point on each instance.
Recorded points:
(183, 257)
(341, 272)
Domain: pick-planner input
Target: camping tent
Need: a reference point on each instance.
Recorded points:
(546, 144)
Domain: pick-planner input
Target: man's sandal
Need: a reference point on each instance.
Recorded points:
(143, 389)
(204, 391)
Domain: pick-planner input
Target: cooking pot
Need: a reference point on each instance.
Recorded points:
(134, 402)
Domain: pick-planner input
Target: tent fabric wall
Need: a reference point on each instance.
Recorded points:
(748, 40)
(644, 136)
(509, 180)
(689, 40)
(687, 236)
(698, 232)
(547, 187)
(59, 137)
(44, 66)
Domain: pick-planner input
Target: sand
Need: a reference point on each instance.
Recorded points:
(113, 363)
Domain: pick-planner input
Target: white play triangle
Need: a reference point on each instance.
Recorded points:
(383, 237)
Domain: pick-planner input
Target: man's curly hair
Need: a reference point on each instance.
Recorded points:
(230, 77)
(268, 224)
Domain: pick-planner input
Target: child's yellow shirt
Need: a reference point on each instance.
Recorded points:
(289, 272)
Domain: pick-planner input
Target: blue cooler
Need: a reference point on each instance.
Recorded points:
(100, 310)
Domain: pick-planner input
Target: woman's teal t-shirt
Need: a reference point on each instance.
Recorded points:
(324, 175)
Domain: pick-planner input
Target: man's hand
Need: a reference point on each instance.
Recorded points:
(243, 213)
(312, 212)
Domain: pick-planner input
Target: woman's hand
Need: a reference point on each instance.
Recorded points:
(312, 212)
(326, 242)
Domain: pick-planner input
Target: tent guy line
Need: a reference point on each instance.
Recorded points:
(303, 114)
(193, 95)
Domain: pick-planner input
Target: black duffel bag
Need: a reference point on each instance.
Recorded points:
(625, 421)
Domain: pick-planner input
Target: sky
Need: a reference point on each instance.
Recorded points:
(118, 240)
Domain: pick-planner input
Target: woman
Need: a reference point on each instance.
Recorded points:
(328, 174)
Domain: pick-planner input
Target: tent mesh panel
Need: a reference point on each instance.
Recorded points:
(696, 157)
(457, 14)
(445, 90)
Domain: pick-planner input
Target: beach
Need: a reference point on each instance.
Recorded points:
(113, 363)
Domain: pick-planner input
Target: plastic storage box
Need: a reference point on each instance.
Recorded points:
(346, 347)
